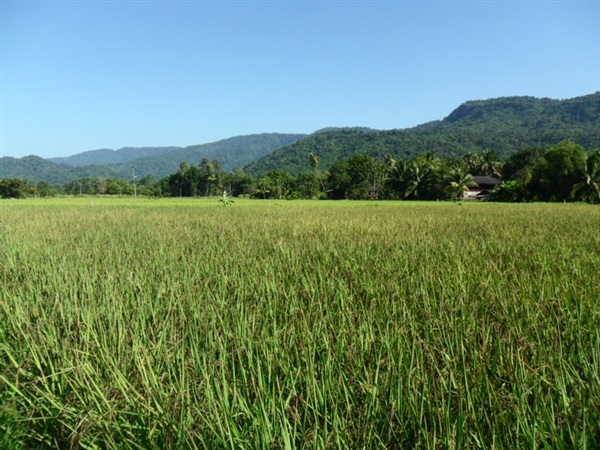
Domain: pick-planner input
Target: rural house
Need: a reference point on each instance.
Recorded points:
(484, 186)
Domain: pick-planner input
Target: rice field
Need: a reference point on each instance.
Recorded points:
(156, 324)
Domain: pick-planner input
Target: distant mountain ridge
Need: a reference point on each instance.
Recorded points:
(37, 169)
(525, 113)
(106, 156)
(503, 125)
(233, 152)
(156, 161)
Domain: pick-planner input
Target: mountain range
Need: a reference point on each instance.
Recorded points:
(147, 161)
(503, 125)
(106, 156)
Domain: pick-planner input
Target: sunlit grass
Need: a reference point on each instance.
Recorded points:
(271, 324)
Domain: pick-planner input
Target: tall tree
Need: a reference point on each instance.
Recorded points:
(339, 179)
(210, 176)
(15, 188)
(490, 165)
(239, 182)
(416, 179)
(459, 184)
(473, 161)
(521, 165)
(362, 170)
(280, 183)
(589, 187)
(389, 161)
(307, 185)
(397, 181)
(314, 161)
(556, 173)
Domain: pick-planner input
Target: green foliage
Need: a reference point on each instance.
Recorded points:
(459, 183)
(226, 200)
(308, 185)
(588, 174)
(556, 172)
(279, 183)
(490, 165)
(205, 180)
(520, 165)
(239, 182)
(509, 191)
(414, 164)
(501, 126)
(119, 187)
(43, 189)
(159, 162)
(105, 157)
(314, 161)
(353, 178)
(37, 169)
(339, 179)
(15, 188)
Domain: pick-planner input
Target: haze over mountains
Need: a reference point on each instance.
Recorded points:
(504, 125)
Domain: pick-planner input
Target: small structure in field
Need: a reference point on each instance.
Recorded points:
(374, 193)
(485, 185)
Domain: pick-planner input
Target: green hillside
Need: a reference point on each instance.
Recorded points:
(233, 152)
(510, 114)
(107, 156)
(503, 125)
(37, 169)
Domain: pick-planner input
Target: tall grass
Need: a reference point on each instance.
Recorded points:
(183, 324)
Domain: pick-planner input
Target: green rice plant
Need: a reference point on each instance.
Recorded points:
(181, 324)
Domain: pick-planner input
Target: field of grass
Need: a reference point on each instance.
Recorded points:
(183, 324)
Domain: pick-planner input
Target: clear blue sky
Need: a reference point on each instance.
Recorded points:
(79, 76)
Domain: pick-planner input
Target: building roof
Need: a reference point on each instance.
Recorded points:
(487, 180)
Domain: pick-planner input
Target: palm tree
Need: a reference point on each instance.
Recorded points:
(589, 174)
(397, 177)
(416, 178)
(389, 161)
(314, 161)
(490, 165)
(459, 184)
(473, 161)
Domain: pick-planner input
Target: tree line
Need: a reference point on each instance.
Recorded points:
(564, 172)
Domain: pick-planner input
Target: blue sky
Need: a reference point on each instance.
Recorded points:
(79, 76)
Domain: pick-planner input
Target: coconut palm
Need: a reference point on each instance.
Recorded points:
(589, 174)
(459, 184)
(389, 161)
(416, 176)
(473, 161)
(396, 179)
(490, 165)
(314, 161)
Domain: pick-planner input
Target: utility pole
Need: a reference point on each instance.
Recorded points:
(134, 187)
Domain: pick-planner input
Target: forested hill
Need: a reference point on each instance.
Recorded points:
(503, 125)
(106, 156)
(158, 162)
(233, 152)
(509, 114)
(36, 169)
